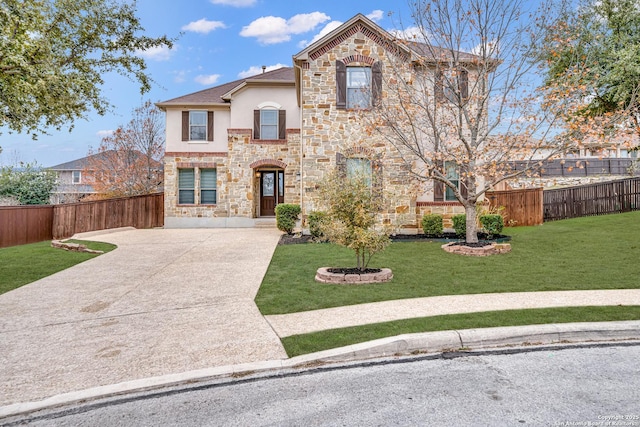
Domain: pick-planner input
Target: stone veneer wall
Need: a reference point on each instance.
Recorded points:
(173, 161)
(237, 185)
(327, 131)
(244, 186)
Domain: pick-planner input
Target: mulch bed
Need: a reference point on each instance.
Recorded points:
(293, 239)
(353, 270)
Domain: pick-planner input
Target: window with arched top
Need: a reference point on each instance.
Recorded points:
(269, 123)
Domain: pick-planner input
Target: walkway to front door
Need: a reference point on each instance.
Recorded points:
(271, 191)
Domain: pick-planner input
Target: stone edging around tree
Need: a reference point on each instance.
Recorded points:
(73, 247)
(324, 276)
(490, 249)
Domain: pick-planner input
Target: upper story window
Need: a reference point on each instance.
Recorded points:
(197, 126)
(452, 85)
(76, 177)
(358, 87)
(269, 123)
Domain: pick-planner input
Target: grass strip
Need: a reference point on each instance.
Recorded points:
(296, 345)
(24, 264)
(577, 254)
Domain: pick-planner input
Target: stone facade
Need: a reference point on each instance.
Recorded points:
(329, 132)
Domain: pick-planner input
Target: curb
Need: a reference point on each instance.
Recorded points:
(401, 345)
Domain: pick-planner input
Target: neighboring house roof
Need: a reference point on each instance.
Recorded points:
(81, 164)
(221, 94)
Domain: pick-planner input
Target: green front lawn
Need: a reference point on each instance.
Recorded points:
(334, 338)
(585, 253)
(24, 264)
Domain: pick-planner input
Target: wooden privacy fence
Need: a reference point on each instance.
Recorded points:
(139, 212)
(28, 224)
(521, 207)
(25, 224)
(594, 199)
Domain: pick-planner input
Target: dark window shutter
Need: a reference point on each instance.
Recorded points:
(282, 124)
(185, 125)
(463, 81)
(341, 165)
(209, 125)
(438, 89)
(376, 181)
(256, 124)
(438, 187)
(463, 183)
(376, 78)
(341, 85)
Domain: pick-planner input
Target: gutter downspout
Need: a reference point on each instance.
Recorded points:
(300, 105)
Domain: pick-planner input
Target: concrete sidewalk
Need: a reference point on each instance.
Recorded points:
(164, 302)
(362, 314)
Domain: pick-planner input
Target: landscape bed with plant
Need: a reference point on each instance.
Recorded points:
(585, 253)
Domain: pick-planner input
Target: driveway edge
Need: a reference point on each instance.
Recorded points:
(401, 345)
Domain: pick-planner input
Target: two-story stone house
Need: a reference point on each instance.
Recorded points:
(236, 150)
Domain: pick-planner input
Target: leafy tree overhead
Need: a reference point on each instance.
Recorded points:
(54, 53)
(596, 49)
(128, 162)
(29, 183)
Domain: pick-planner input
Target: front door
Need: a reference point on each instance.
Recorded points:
(271, 191)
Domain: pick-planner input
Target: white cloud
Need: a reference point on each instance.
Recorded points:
(203, 26)
(273, 29)
(180, 76)
(159, 53)
(104, 133)
(414, 34)
(207, 80)
(255, 69)
(235, 3)
(376, 15)
(326, 30)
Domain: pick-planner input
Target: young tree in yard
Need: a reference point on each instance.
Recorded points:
(351, 208)
(54, 54)
(465, 105)
(596, 50)
(29, 184)
(128, 162)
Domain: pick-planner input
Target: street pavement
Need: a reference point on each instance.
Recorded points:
(172, 307)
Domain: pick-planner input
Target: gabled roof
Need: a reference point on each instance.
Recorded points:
(75, 165)
(82, 163)
(220, 94)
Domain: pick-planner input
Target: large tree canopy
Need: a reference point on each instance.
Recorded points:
(596, 50)
(54, 54)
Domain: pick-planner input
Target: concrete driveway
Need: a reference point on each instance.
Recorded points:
(165, 301)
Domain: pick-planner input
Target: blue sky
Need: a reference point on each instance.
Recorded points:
(219, 41)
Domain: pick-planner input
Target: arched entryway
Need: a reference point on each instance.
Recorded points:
(269, 186)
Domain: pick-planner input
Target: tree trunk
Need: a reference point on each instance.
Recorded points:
(472, 228)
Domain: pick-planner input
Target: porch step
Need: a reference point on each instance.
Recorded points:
(265, 223)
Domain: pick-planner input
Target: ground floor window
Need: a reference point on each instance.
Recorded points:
(208, 179)
(201, 182)
(452, 174)
(186, 186)
(359, 168)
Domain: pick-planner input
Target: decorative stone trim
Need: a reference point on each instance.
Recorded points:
(359, 151)
(268, 162)
(73, 247)
(202, 165)
(268, 141)
(358, 58)
(195, 154)
(239, 131)
(388, 45)
(438, 204)
(324, 276)
(491, 249)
